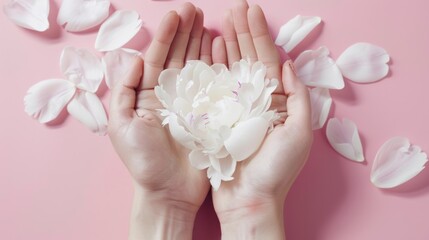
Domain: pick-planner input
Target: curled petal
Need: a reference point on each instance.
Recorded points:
(80, 15)
(180, 133)
(344, 138)
(199, 160)
(117, 30)
(396, 162)
(31, 14)
(315, 68)
(88, 109)
(82, 68)
(321, 102)
(294, 31)
(46, 99)
(364, 63)
(246, 138)
(117, 63)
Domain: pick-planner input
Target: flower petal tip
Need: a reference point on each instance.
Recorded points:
(364, 63)
(296, 30)
(117, 30)
(28, 14)
(396, 162)
(344, 138)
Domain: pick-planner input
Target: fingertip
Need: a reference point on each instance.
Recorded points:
(206, 47)
(219, 50)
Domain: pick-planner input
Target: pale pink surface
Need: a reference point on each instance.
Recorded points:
(60, 181)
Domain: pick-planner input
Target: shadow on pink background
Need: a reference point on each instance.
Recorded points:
(59, 181)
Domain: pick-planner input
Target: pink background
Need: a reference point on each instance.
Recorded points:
(60, 181)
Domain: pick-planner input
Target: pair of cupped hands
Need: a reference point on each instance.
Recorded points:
(162, 175)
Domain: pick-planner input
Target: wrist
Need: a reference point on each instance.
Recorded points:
(255, 221)
(155, 216)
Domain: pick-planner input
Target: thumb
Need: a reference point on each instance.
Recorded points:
(298, 99)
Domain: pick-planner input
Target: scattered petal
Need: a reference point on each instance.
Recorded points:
(31, 14)
(364, 63)
(82, 68)
(246, 138)
(88, 109)
(45, 100)
(396, 162)
(117, 63)
(80, 15)
(294, 31)
(321, 102)
(315, 68)
(344, 138)
(117, 30)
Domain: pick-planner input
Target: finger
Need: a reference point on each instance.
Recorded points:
(219, 51)
(298, 100)
(264, 45)
(176, 55)
(241, 25)
(193, 50)
(157, 52)
(206, 48)
(230, 37)
(123, 99)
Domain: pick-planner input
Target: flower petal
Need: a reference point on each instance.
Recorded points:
(179, 133)
(117, 63)
(321, 102)
(199, 160)
(88, 109)
(315, 68)
(246, 138)
(46, 99)
(364, 63)
(80, 15)
(31, 14)
(116, 31)
(295, 30)
(82, 68)
(396, 162)
(344, 138)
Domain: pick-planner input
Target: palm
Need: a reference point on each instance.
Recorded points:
(270, 172)
(155, 161)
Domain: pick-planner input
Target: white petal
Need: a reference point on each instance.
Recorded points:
(294, 31)
(344, 138)
(31, 14)
(88, 109)
(116, 31)
(364, 63)
(82, 68)
(396, 162)
(246, 138)
(315, 68)
(46, 99)
(215, 178)
(179, 133)
(199, 160)
(320, 105)
(117, 63)
(227, 166)
(80, 15)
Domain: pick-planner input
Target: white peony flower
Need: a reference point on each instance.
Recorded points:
(220, 115)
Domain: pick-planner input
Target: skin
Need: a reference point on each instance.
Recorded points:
(168, 190)
(251, 206)
(167, 187)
